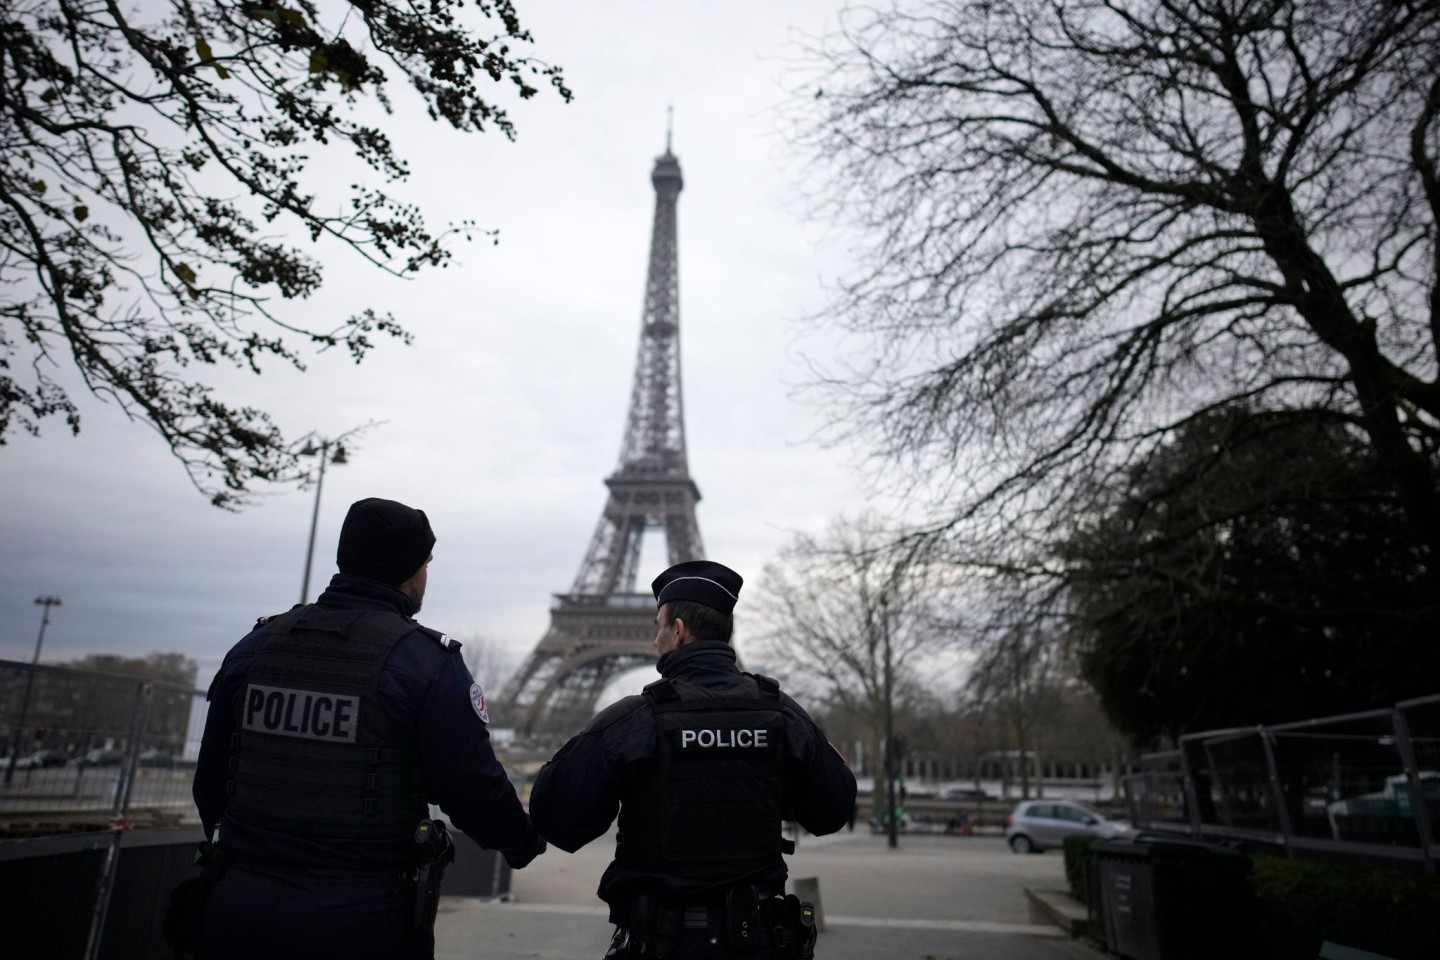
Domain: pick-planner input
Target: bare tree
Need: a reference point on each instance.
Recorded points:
(1018, 675)
(828, 606)
(842, 613)
(1089, 222)
(155, 155)
(489, 663)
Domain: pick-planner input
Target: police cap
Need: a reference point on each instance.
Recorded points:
(699, 581)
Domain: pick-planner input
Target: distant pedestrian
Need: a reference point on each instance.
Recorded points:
(702, 768)
(331, 729)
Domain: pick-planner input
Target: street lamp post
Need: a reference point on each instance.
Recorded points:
(894, 828)
(338, 458)
(47, 602)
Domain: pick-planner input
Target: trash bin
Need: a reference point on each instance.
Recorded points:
(1162, 898)
(476, 872)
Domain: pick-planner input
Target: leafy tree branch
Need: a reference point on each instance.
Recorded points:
(156, 159)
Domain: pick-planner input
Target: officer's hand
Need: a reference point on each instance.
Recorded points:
(520, 858)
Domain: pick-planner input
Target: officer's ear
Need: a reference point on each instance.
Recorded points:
(682, 632)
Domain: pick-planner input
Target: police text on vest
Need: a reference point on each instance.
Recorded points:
(726, 739)
(301, 713)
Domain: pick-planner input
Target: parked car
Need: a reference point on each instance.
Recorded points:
(1037, 825)
(102, 757)
(966, 794)
(155, 757)
(47, 758)
(40, 758)
(1385, 816)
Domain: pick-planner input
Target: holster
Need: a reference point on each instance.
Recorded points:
(654, 930)
(792, 925)
(436, 853)
(181, 926)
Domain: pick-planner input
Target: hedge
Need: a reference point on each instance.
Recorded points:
(1300, 904)
(1386, 910)
(1077, 861)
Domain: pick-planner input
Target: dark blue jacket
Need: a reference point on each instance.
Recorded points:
(577, 794)
(425, 688)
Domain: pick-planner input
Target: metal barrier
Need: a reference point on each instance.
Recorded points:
(1159, 794)
(1362, 784)
(92, 756)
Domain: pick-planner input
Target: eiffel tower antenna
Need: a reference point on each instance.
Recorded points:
(669, 126)
(603, 626)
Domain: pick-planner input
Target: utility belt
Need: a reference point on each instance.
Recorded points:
(740, 916)
(434, 852)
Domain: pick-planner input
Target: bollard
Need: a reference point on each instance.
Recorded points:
(808, 889)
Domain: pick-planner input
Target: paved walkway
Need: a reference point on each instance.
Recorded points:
(934, 898)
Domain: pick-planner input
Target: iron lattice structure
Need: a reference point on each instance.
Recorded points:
(603, 626)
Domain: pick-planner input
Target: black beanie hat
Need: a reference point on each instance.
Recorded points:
(383, 540)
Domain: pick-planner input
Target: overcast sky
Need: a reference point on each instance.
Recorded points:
(505, 415)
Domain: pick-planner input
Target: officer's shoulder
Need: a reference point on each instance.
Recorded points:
(617, 711)
(262, 621)
(769, 687)
(787, 702)
(435, 636)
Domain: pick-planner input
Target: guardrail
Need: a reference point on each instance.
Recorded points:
(1362, 784)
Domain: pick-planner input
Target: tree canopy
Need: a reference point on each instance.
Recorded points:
(1259, 569)
(158, 158)
(172, 668)
(1088, 223)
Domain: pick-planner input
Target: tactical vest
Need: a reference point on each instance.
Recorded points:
(710, 807)
(314, 754)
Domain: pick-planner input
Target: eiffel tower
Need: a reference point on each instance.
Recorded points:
(603, 626)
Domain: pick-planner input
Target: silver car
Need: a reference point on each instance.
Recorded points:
(1037, 825)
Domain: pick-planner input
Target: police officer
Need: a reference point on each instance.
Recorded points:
(702, 768)
(330, 729)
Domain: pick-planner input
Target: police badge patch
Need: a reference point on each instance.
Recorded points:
(477, 700)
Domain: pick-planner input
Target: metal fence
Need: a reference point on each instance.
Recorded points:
(1363, 784)
(92, 755)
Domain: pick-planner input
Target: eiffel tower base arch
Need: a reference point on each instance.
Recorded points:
(591, 641)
